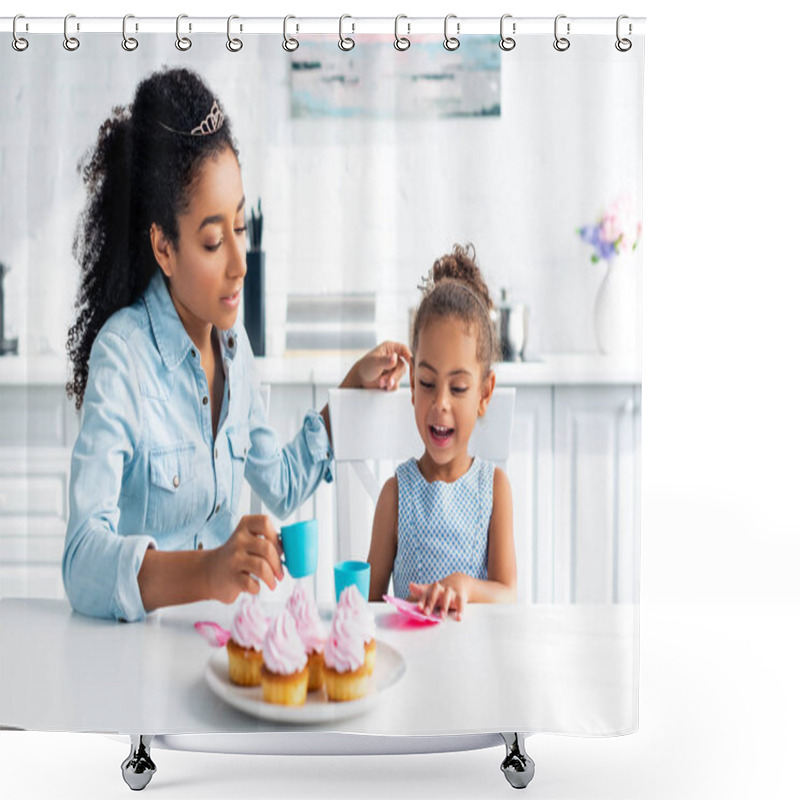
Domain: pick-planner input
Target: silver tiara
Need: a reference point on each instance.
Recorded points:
(426, 283)
(211, 124)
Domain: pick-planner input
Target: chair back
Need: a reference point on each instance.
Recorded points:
(373, 432)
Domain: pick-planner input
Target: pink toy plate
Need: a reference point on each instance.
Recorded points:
(410, 610)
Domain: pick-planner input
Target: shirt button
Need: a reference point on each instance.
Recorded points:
(194, 353)
(199, 545)
(230, 341)
(216, 453)
(176, 481)
(205, 400)
(216, 510)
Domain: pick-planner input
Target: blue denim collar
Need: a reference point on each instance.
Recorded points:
(172, 340)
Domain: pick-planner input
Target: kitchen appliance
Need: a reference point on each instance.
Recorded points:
(254, 289)
(6, 345)
(511, 322)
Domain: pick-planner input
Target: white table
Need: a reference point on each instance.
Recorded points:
(569, 669)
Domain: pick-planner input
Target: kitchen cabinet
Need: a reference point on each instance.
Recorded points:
(596, 494)
(530, 472)
(574, 472)
(38, 425)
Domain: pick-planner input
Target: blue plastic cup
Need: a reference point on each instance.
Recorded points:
(351, 573)
(300, 548)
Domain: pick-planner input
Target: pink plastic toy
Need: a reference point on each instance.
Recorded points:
(410, 610)
(214, 634)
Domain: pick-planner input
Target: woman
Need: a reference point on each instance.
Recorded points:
(164, 372)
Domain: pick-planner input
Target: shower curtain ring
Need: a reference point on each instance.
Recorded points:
(507, 42)
(129, 43)
(561, 43)
(451, 42)
(345, 42)
(401, 43)
(70, 42)
(290, 44)
(623, 45)
(18, 43)
(233, 44)
(183, 43)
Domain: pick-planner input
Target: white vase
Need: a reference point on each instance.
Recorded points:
(615, 307)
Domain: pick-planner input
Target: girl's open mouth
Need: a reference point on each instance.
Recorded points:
(441, 435)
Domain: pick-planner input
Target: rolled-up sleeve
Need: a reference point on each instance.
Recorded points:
(100, 566)
(284, 477)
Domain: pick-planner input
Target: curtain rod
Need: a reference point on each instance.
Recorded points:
(349, 25)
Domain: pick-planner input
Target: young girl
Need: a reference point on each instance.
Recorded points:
(443, 525)
(162, 368)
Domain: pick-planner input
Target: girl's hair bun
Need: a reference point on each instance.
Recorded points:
(459, 265)
(454, 287)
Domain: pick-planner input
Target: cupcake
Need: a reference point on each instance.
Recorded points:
(284, 676)
(352, 602)
(244, 645)
(312, 634)
(345, 669)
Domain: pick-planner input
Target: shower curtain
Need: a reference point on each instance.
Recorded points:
(360, 168)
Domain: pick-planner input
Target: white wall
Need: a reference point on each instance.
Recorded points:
(353, 204)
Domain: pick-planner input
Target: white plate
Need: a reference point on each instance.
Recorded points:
(389, 668)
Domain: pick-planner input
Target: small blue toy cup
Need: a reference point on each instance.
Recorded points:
(351, 573)
(300, 548)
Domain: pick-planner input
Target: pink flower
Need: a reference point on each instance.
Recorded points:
(618, 230)
(619, 224)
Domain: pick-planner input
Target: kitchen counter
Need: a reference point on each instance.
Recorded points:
(557, 369)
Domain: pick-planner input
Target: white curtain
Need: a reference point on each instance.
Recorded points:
(369, 165)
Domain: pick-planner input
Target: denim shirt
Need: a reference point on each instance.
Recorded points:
(147, 470)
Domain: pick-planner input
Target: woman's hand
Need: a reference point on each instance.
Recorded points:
(253, 551)
(381, 368)
(449, 593)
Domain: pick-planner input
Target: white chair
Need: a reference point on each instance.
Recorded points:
(373, 432)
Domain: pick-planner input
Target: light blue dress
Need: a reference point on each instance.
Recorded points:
(147, 470)
(442, 528)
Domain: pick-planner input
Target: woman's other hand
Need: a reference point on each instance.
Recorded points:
(450, 593)
(252, 551)
(381, 368)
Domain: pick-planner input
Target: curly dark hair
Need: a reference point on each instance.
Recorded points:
(138, 172)
(455, 287)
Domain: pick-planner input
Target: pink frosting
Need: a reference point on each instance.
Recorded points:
(249, 623)
(344, 648)
(283, 649)
(352, 603)
(309, 624)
